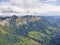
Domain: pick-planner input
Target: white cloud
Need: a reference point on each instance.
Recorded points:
(11, 9)
(29, 7)
(25, 3)
(46, 8)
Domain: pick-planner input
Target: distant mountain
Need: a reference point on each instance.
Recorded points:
(30, 30)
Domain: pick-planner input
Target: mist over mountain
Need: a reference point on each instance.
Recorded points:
(29, 30)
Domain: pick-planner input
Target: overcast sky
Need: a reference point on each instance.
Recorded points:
(35, 7)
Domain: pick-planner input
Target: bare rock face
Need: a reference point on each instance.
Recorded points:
(4, 22)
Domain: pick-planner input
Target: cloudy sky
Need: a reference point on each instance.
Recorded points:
(35, 7)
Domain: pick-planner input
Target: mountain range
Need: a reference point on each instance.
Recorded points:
(30, 30)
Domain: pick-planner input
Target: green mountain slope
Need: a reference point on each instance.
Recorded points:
(29, 30)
